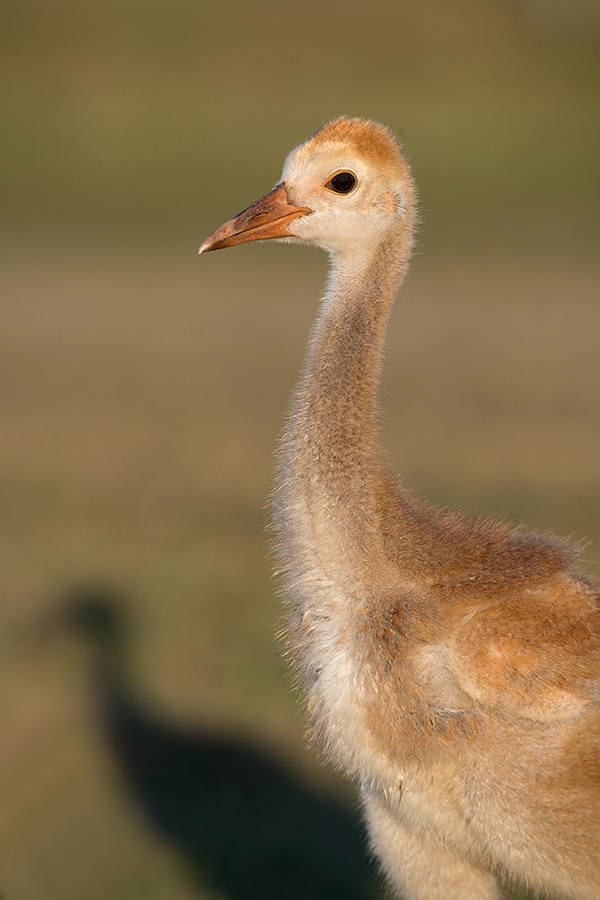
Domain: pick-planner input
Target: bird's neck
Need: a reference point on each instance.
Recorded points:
(333, 485)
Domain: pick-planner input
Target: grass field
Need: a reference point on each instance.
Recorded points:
(151, 745)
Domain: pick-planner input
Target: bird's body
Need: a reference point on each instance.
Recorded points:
(451, 665)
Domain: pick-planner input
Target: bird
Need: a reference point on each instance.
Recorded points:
(450, 665)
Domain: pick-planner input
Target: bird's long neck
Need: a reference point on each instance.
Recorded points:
(333, 486)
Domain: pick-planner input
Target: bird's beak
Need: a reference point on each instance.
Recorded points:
(268, 217)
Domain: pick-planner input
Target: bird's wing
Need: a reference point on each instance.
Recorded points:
(537, 657)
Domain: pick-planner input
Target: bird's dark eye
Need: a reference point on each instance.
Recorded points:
(342, 183)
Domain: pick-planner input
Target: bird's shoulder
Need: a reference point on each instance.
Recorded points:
(536, 654)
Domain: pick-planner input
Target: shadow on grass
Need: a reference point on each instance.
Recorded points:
(245, 825)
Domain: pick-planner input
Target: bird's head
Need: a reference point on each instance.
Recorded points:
(344, 190)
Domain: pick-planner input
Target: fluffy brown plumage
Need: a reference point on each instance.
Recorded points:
(451, 666)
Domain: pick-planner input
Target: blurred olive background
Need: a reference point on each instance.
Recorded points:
(151, 745)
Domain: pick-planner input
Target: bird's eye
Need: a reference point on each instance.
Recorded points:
(342, 183)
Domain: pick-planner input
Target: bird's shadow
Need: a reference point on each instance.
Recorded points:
(245, 824)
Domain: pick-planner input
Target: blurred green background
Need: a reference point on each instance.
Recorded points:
(151, 745)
